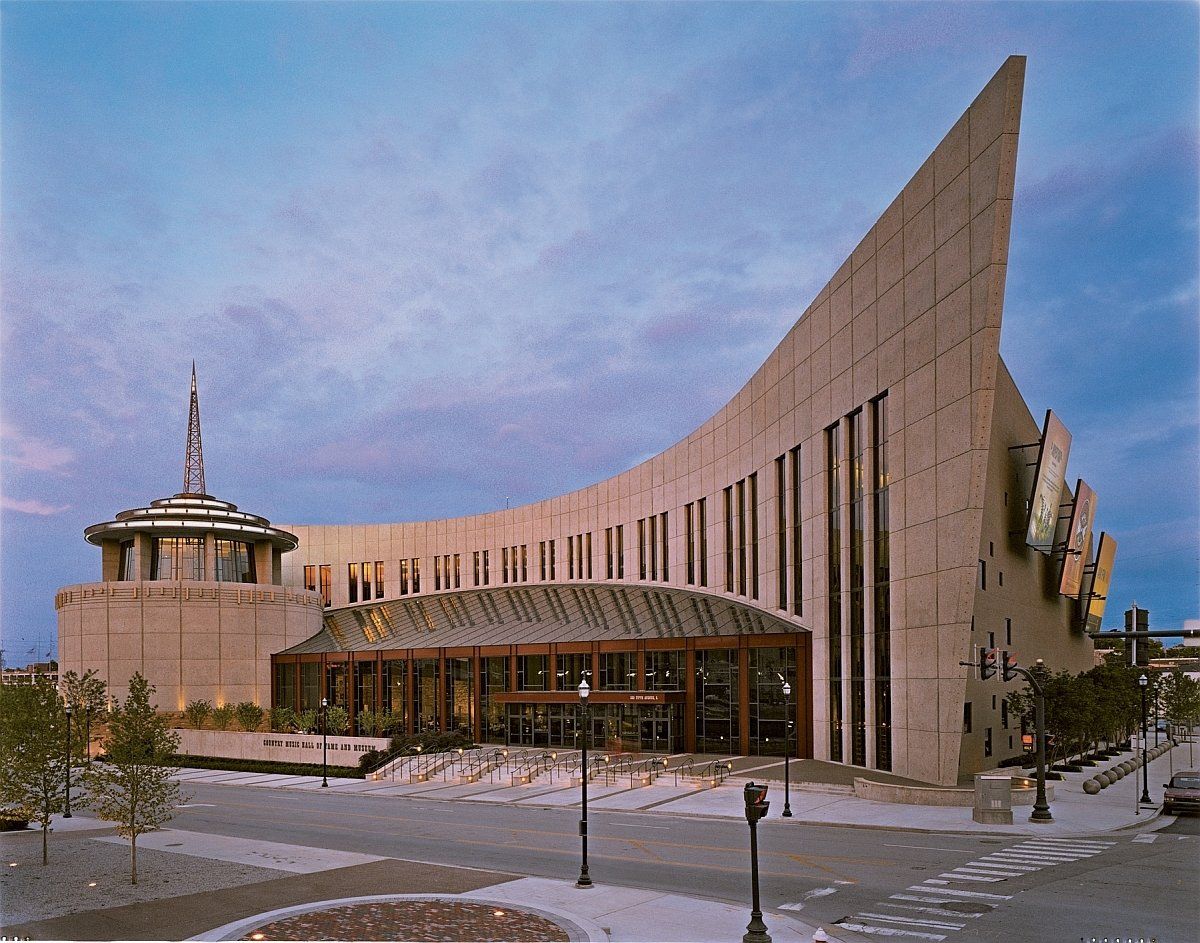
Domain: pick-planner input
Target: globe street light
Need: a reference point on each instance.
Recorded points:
(67, 813)
(1142, 682)
(787, 752)
(324, 743)
(585, 879)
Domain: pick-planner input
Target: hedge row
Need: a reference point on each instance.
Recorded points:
(264, 766)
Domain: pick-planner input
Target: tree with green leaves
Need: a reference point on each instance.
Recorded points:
(1179, 698)
(282, 719)
(88, 696)
(368, 722)
(197, 712)
(306, 721)
(222, 716)
(33, 754)
(337, 719)
(249, 715)
(133, 786)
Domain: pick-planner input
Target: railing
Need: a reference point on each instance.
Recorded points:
(483, 761)
(714, 772)
(422, 766)
(459, 758)
(567, 764)
(644, 772)
(532, 767)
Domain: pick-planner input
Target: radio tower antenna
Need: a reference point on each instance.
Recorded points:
(193, 465)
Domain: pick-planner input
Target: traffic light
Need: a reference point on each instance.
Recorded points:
(987, 663)
(1008, 665)
(1136, 648)
(756, 802)
(1027, 743)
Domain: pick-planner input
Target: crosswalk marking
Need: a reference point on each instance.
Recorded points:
(993, 871)
(1075, 841)
(1147, 839)
(915, 922)
(890, 931)
(1011, 865)
(936, 881)
(953, 876)
(928, 910)
(957, 893)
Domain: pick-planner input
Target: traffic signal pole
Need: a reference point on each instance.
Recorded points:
(1041, 808)
(756, 808)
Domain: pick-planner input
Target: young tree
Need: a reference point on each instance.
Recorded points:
(337, 720)
(282, 719)
(33, 754)
(249, 715)
(1180, 698)
(306, 721)
(133, 787)
(87, 696)
(222, 716)
(196, 713)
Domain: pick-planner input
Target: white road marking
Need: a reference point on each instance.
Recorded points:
(958, 893)
(633, 825)
(935, 900)
(889, 931)
(914, 921)
(820, 892)
(1001, 862)
(1075, 841)
(1146, 838)
(197, 805)
(968, 869)
(968, 877)
(928, 910)
(796, 906)
(935, 881)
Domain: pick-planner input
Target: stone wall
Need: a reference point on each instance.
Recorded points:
(276, 747)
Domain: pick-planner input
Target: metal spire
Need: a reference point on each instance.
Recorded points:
(193, 465)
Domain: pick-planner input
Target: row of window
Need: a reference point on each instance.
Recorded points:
(866, 500)
(579, 557)
(447, 571)
(182, 558)
(515, 565)
(741, 516)
(371, 580)
(653, 561)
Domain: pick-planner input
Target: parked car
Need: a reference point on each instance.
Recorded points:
(1182, 793)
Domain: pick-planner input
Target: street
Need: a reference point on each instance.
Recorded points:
(1121, 885)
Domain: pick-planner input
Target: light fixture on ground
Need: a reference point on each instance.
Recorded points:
(1143, 681)
(585, 879)
(324, 742)
(787, 752)
(67, 813)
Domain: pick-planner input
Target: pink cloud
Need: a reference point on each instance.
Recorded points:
(34, 454)
(31, 506)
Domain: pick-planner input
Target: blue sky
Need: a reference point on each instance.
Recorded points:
(430, 257)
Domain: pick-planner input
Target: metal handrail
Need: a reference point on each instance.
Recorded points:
(651, 767)
(483, 761)
(534, 767)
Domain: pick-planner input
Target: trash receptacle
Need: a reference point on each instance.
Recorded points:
(993, 799)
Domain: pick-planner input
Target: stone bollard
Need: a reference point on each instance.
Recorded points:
(1091, 787)
(1105, 780)
(1118, 772)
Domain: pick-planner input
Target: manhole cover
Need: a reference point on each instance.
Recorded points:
(174, 844)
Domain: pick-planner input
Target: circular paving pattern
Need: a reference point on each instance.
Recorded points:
(414, 921)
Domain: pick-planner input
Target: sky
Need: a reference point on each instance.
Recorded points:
(430, 258)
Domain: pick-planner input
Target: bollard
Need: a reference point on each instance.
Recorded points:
(1091, 787)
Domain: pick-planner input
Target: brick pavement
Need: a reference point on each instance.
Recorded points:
(414, 920)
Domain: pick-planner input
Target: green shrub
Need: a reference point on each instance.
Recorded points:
(337, 719)
(281, 719)
(249, 715)
(262, 766)
(306, 721)
(196, 713)
(222, 716)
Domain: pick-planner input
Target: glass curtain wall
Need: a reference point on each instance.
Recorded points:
(717, 701)
(572, 669)
(285, 684)
(493, 679)
(364, 693)
(310, 686)
(177, 558)
(664, 671)
(394, 698)
(883, 615)
(618, 671)
(460, 701)
(425, 684)
(769, 721)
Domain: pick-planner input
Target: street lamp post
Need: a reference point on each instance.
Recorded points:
(585, 879)
(787, 752)
(324, 743)
(67, 813)
(1143, 681)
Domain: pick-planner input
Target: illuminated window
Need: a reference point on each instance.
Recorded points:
(235, 562)
(125, 567)
(177, 558)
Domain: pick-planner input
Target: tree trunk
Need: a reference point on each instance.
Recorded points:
(45, 846)
(133, 857)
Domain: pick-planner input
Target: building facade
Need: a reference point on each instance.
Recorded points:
(851, 522)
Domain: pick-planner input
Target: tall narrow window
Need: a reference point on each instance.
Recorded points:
(858, 666)
(702, 527)
(570, 558)
(797, 555)
(416, 574)
(437, 573)
(741, 536)
(542, 555)
(310, 577)
(127, 571)
(352, 582)
(833, 470)
(620, 551)
(587, 553)
(368, 577)
(608, 553)
(690, 542)
(378, 579)
(404, 577)
(326, 572)
(652, 539)
(524, 563)
(552, 556)
(486, 569)
(753, 483)
(883, 611)
(474, 565)
(665, 570)
(728, 494)
(781, 530)
(641, 526)
(457, 571)
(504, 564)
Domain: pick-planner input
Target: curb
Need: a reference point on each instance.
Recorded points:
(578, 929)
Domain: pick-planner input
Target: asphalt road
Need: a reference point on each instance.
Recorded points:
(1143, 889)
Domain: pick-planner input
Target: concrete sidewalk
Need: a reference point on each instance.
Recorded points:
(1074, 812)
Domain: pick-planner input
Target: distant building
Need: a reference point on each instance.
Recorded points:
(26, 675)
(852, 522)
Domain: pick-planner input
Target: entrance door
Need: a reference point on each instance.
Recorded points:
(656, 730)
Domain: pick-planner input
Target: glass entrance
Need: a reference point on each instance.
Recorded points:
(659, 729)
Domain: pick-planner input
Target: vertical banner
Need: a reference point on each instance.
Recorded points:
(1098, 596)
(1079, 539)
(1047, 484)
